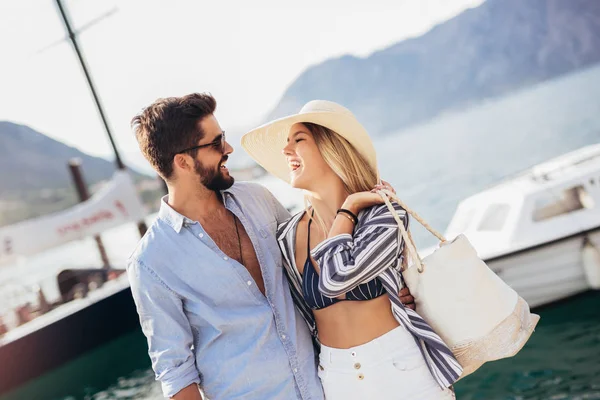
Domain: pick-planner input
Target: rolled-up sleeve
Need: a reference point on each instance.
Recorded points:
(346, 260)
(166, 327)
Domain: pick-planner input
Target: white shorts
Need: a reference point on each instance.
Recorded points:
(389, 367)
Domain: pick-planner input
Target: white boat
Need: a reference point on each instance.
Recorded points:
(540, 230)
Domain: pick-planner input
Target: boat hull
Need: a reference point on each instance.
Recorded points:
(547, 272)
(55, 344)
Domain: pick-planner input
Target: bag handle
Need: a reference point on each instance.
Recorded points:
(409, 244)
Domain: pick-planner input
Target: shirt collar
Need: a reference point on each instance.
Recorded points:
(170, 216)
(176, 220)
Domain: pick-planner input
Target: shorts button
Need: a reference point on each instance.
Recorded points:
(361, 377)
(357, 366)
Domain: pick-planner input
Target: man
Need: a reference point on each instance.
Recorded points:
(207, 277)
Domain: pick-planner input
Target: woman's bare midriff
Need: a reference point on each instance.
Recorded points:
(351, 323)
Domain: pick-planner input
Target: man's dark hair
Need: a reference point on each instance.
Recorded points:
(170, 125)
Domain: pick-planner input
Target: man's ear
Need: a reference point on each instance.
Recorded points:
(182, 162)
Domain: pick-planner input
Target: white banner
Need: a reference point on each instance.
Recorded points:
(115, 204)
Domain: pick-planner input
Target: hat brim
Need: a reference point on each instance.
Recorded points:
(265, 144)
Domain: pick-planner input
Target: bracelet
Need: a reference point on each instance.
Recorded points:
(349, 214)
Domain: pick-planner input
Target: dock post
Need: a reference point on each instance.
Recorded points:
(82, 191)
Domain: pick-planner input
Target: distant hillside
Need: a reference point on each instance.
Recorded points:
(30, 160)
(484, 52)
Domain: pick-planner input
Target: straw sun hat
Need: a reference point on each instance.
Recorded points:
(265, 143)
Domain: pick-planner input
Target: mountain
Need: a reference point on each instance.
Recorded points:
(488, 51)
(30, 161)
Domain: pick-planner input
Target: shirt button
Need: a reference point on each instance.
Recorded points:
(225, 258)
(249, 283)
(283, 337)
(201, 235)
(295, 370)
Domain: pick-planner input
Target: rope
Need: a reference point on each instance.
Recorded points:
(410, 249)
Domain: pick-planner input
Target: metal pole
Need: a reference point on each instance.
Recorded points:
(73, 38)
(141, 225)
(82, 191)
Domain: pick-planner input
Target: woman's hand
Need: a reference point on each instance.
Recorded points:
(384, 186)
(358, 201)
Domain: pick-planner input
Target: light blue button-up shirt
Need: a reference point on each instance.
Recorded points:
(205, 319)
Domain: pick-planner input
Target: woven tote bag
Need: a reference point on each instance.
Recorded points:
(477, 314)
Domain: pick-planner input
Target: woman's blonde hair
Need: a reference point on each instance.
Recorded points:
(344, 159)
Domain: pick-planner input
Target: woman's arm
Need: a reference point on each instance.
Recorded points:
(347, 260)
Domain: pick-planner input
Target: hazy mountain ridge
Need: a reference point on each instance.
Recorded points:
(484, 52)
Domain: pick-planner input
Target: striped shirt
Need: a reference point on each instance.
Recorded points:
(348, 260)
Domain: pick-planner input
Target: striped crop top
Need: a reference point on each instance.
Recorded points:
(316, 300)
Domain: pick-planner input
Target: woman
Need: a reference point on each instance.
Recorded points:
(343, 257)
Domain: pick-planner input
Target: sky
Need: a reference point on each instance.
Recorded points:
(246, 53)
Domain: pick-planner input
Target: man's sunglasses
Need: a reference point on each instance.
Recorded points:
(218, 144)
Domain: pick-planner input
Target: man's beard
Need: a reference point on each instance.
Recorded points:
(213, 178)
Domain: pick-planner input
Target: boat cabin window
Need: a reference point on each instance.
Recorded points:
(553, 204)
(494, 217)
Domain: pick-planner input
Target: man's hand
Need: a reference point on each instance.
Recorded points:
(191, 392)
(407, 299)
